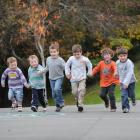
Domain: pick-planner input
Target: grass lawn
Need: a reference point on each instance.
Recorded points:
(92, 97)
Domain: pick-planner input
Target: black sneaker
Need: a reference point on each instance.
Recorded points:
(34, 108)
(58, 109)
(133, 103)
(106, 105)
(80, 108)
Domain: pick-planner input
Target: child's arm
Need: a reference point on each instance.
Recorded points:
(43, 70)
(63, 64)
(96, 69)
(129, 73)
(67, 68)
(23, 79)
(89, 66)
(3, 77)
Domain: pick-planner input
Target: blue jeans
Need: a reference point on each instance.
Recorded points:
(16, 93)
(126, 94)
(56, 87)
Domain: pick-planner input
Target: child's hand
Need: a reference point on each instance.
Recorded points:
(125, 86)
(89, 74)
(68, 76)
(3, 84)
(27, 85)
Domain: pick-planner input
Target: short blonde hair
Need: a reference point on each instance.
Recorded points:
(76, 48)
(11, 60)
(33, 57)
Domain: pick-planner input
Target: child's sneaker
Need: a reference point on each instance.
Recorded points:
(34, 108)
(112, 110)
(125, 110)
(58, 109)
(14, 105)
(44, 109)
(133, 103)
(19, 108)
(80, 108)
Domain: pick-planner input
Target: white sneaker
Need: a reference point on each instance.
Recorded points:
(19, 108)
(14, 105)
(44, 109)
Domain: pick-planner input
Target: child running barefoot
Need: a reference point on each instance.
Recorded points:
(75, 70)
(16, 80)
(107, 69)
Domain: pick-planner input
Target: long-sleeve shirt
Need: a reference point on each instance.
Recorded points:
(56, 67)
(16, 79)
(36, 80)
(106, 73)
(77, 68)
(126, 71)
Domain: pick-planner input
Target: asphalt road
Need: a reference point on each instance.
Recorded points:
(95, 123)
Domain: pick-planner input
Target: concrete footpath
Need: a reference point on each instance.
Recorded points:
(95, 123)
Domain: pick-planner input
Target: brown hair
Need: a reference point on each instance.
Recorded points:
(11, 60)
(54, 45)
(76, 48)
(33, 57)
(107, 51)
(122, 50)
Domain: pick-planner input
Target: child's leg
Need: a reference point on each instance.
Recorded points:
(58, 92)
(19, 97)
(41, 98)
(34, 102)
(12, 97)
(74, 86)
(103, 95)
(131, 92)
(81, 92)
(124, 96)
(111, 90)
(52, 84)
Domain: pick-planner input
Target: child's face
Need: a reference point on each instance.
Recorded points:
(107, 57)
(13, 65)
(54, 53)
(123, 57)
(77, 54)
(33, 62)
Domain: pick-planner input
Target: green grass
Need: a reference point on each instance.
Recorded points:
(92, 93)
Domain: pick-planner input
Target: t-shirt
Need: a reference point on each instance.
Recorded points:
(106, 73)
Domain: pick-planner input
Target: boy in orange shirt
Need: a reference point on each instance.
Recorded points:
(107, 69)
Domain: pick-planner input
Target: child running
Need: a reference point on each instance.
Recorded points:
(56, 66)
(75, 70)
(125, 69)
(16, 80)
(107, 69)
(37, 84)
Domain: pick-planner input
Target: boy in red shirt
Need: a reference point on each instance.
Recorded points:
(107, 69)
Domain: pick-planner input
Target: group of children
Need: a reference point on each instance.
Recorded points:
(76, 69)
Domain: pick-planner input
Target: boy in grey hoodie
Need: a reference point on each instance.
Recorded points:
(125, 71)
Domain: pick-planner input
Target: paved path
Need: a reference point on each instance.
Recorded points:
(95, 123)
